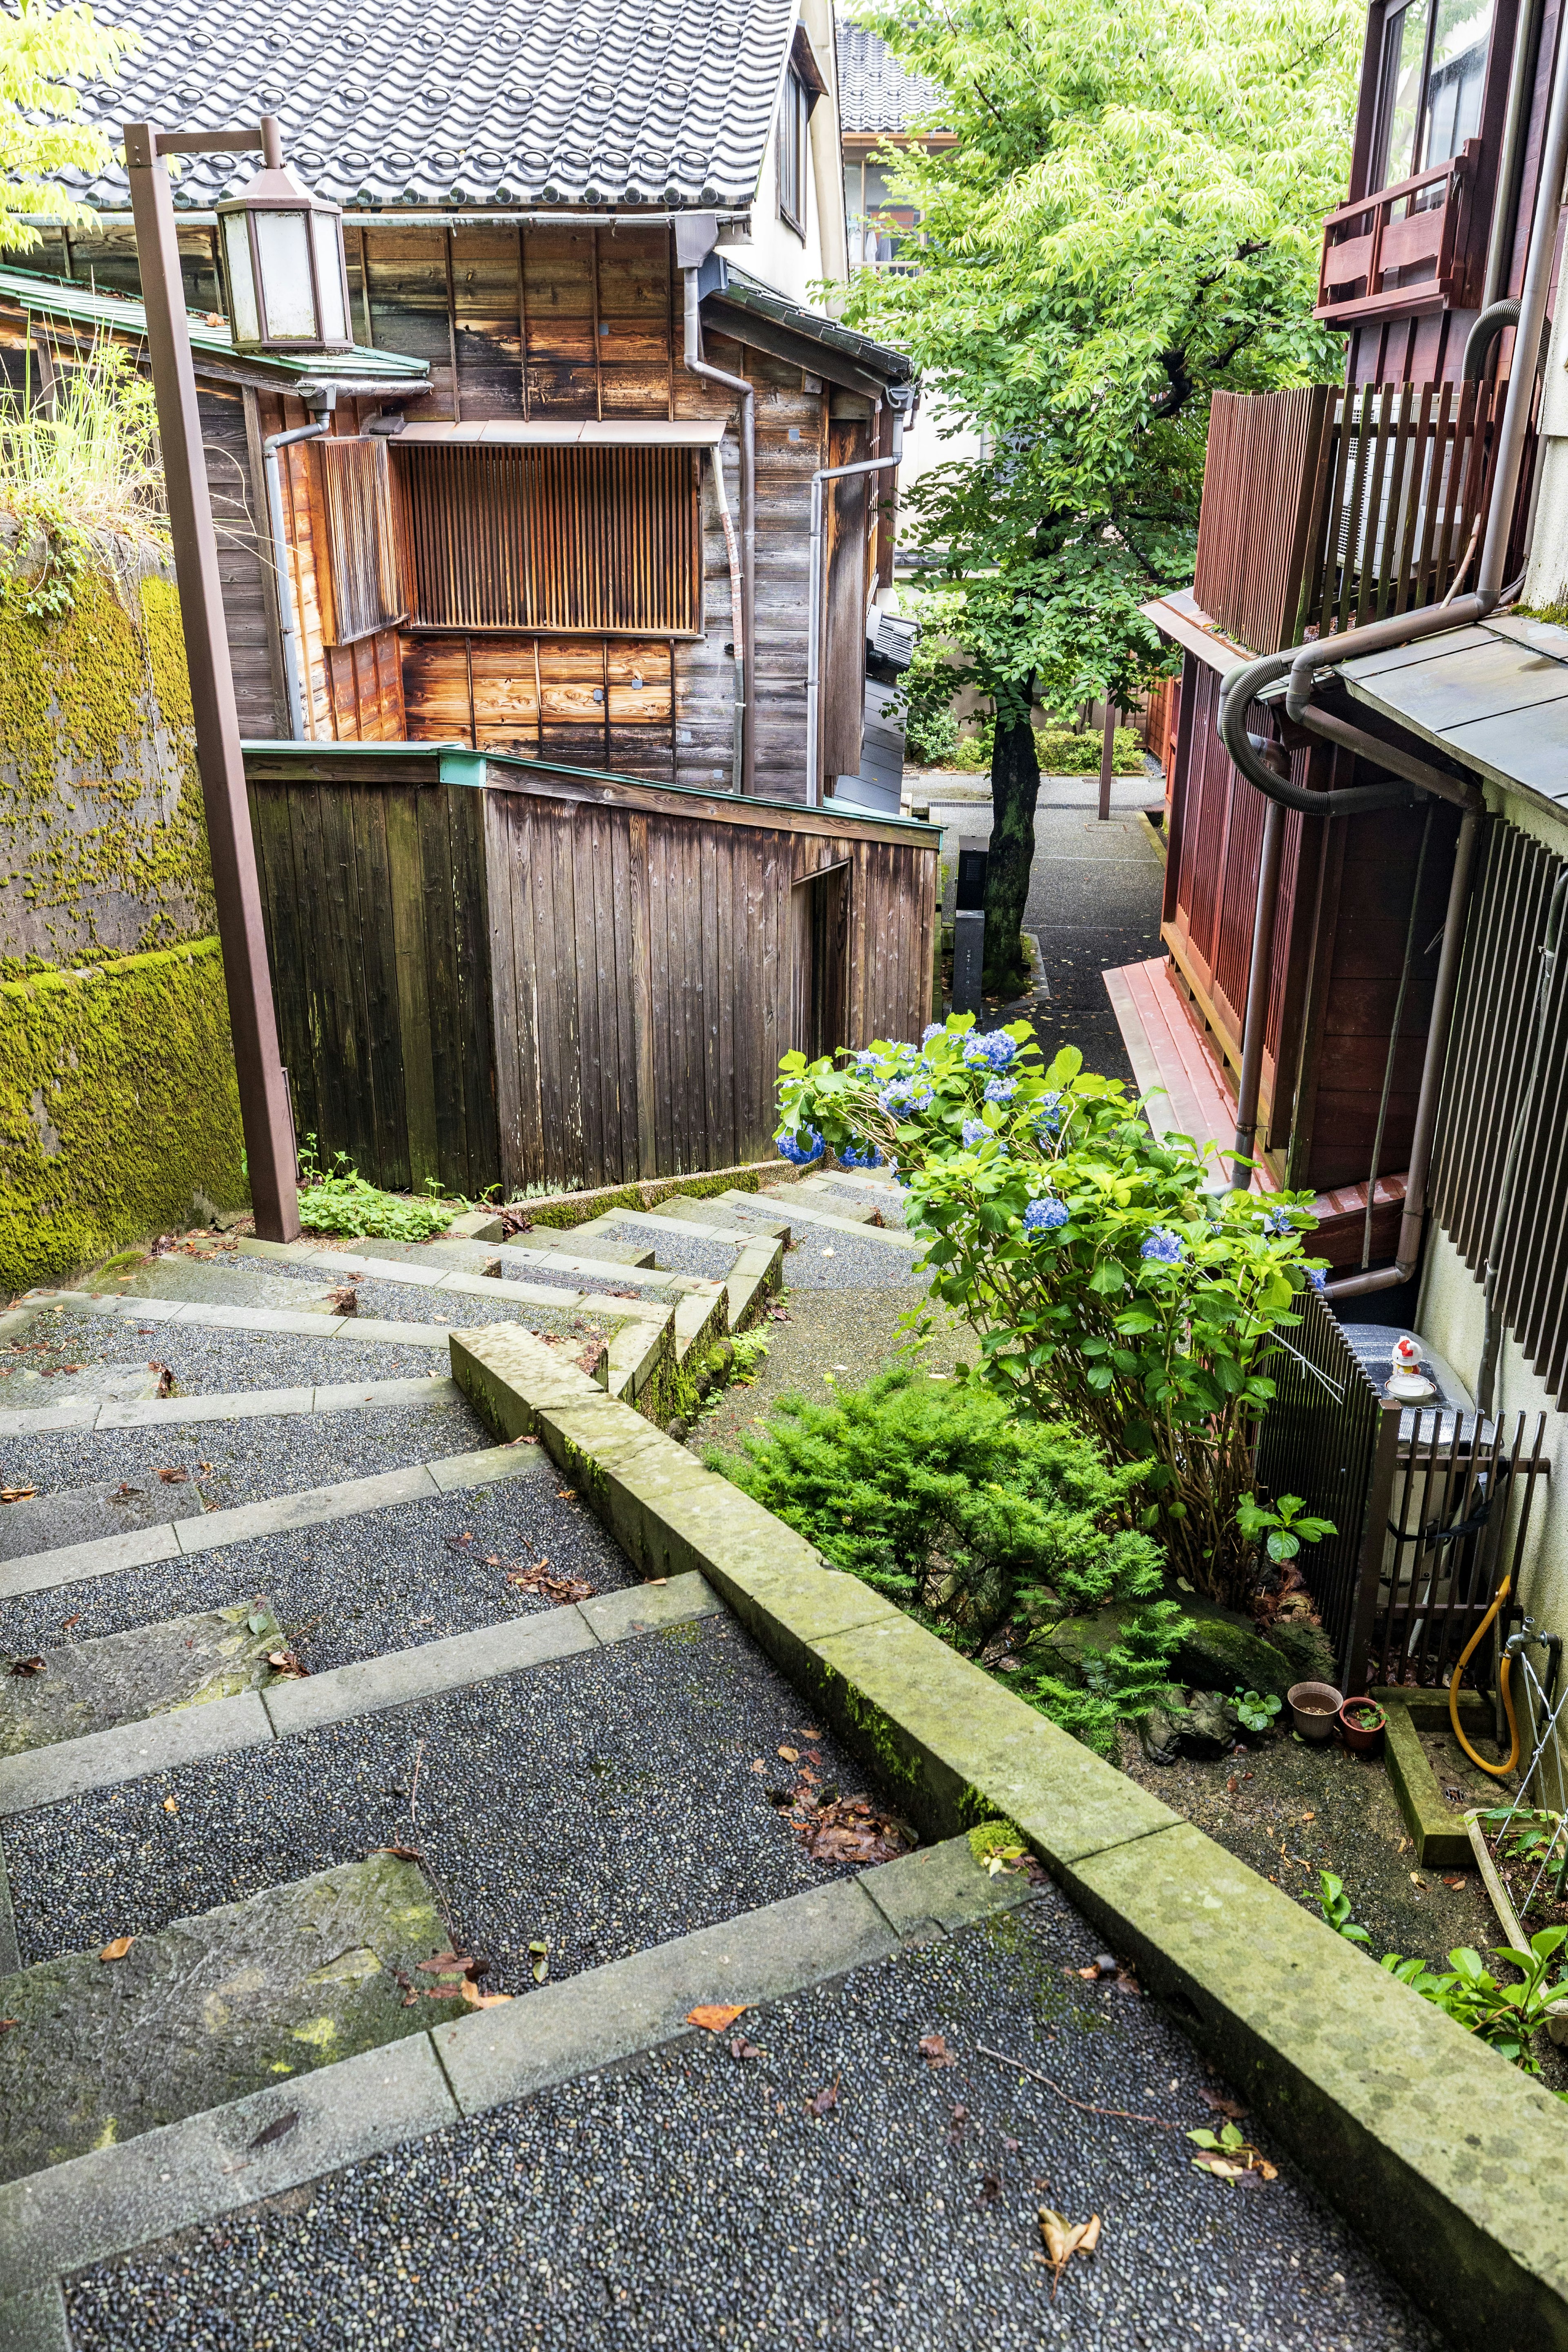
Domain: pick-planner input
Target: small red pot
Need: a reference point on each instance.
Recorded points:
(1359, 1734)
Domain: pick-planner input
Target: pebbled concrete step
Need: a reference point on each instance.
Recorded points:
(181, 1411)
(214, 2008)
(94, 1513)
(81, 1687)
(85, 1390)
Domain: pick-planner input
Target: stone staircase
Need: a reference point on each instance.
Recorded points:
(353, 1789)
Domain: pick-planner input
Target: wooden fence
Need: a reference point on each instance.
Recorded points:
(1325, 508)
(494, 972)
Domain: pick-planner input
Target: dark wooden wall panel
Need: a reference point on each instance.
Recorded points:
(242, 555)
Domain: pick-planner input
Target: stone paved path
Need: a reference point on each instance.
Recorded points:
(260, 2125)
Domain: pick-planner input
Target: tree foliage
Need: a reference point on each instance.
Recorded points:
(1129, 221)
(45, 55)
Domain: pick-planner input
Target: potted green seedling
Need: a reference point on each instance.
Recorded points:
(1362, 1722)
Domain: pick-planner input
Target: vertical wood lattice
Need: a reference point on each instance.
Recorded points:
(602, 540)
(363, 571)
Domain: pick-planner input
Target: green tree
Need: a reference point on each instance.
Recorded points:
(1128, 222)
(45, 55)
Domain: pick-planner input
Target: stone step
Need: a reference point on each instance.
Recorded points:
(179, 1412)
(823, 1192)
(804, 1213)
(102, 1512)
(82, 1687)
(724, 1214)
(145, 1717)
(303, 2034)
(63, 1563)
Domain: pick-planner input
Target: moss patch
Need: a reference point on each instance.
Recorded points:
(118, 1098)
(103, 833)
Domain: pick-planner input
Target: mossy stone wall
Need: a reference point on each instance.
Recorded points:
(103, 848)
(117, 1099)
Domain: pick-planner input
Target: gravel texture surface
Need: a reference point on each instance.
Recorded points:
(352, 1588)
(697, 2199)
(605, 1802)
(823, 1258)
(684, 1252)
(209, 1362)
(245, 1461)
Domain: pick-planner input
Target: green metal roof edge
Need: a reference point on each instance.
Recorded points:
(458, 761)
(63, 298)
(751, 294)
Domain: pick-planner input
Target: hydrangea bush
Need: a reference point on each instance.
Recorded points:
(1105, 1271)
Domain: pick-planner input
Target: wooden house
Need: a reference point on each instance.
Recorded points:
(549, 519)
(1327, 509)
(1323, 507)
(552, 535)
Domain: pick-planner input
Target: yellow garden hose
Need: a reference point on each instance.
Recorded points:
(1496, 1771)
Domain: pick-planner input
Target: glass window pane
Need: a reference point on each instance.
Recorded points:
(1458, 73)
(330, 275)
(244, 324)
(280, 239)
(1404, 49)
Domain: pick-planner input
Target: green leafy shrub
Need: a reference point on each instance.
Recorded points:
(1337, 1909)
(343, 1202)
(1068, 751)
(1503, 2016)
(939, 1497)
(1106, 1281)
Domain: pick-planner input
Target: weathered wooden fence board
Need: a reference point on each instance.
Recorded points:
(505, 973)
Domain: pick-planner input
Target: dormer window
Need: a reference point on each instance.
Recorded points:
(1433, 73)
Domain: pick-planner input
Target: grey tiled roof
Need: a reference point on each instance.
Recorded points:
(875, 91)
(476, 102)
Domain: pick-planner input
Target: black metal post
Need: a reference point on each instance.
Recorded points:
(263, 1091)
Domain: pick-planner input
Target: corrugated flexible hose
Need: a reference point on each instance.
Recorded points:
(1496, 1771)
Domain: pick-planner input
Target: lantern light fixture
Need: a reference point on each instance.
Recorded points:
(283, 263)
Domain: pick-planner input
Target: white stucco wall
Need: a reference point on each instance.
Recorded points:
(793, 264)
(1546, 582)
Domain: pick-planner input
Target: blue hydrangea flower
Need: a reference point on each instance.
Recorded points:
(801, 1148)
(1001, 1090)
(976, 1132)
(994, 1050)
(933, 1029)
(1162, 1245)
(1048, 1117)
(855, 1158)
(1276, 1222)
(1318, 1278)
(1044, 1213)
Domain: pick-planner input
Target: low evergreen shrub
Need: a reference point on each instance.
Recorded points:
(343, 1202)
(980, 1523)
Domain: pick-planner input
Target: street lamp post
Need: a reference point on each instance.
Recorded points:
(263, 1089)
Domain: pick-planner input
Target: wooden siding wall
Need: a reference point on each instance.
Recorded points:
(563, 322)
(547, 980)
(372, 896)
(1338, 944)
(600, 704)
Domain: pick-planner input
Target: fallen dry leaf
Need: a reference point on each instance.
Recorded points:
(1417, 1881)
(790, 1755)
(990, 2188)
(279, 2130)
(124, 1494)
(560, 1589)
(803, 1734)
(758, 1766)
(1218, 2104)
(66, 1623)
(847, 1829)
(171, 1804)
(566, 1494)
(1455, 1882)
(1231, 2166)
(478, 2000)
(713, 2016)
(400, 1853)
(17, 1494)
(7, 2022)
(821, 2101)
(175, 1476)
(166, 1378)
(741, 2048)
(344, 1300)
(289, 1663)
(26, 1665)
(539, 1954)
(117, 1949)
(935, 2052)
(1065, 2239)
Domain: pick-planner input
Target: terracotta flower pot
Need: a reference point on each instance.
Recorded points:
(1313, 1707)
(1362, 1722)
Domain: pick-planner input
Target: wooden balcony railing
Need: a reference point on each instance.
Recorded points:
(1400, 248)
(1325, 508)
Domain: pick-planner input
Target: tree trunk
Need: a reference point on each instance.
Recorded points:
(1014, 788)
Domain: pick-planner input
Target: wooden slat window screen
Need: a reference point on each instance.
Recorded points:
(602, 540)
(1507, 1076)
(364, 571)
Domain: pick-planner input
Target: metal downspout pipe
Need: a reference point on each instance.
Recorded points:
(1300, 666)
(743, 607)
(289, 627)
(901, 399)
